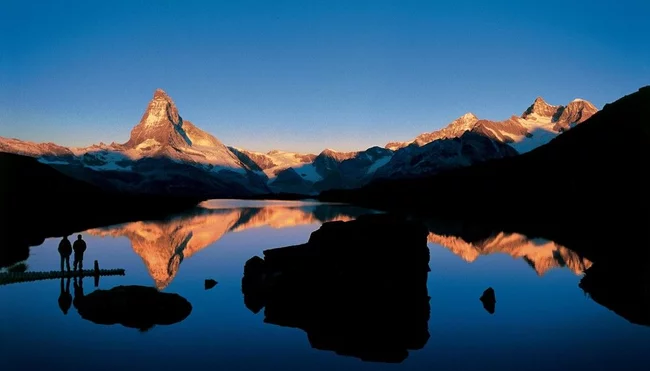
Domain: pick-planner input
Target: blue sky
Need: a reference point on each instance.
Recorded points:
(306, 75)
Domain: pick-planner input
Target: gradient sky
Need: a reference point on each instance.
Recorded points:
(306, 75)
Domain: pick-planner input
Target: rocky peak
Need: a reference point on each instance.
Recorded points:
(575, 112)
(540, 108)
(160, 124)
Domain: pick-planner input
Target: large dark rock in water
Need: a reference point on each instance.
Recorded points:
(138, 307)
(357, 288)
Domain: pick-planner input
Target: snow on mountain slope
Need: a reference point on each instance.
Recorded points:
(455, 129)
(273, 162)
(539, 123)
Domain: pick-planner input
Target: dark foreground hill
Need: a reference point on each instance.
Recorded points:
(37, 201)
(590, 178)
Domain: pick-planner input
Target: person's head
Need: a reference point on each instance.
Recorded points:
(79, 237)
(65, 237)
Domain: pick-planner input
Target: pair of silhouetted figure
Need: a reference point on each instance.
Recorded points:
(66, 249)
(65, 299)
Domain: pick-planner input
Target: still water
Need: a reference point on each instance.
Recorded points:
(542, 319)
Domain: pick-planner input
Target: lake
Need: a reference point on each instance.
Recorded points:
(542, 319)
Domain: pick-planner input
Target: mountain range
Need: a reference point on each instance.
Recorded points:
(166, 154)
(590, 178)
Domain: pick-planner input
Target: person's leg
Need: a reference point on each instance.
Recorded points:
(61, 263)
(67, 262)
(81, 261)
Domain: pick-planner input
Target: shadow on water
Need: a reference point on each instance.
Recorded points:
(138, 307)
(357, 288)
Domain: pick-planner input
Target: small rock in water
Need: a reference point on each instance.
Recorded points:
(489, 300)
(210, 283)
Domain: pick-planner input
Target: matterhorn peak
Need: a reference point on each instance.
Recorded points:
(160, 124)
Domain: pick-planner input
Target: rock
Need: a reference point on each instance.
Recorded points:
(489, 300)
(357, 288)
(210, 283)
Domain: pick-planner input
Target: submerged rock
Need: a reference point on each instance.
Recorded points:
(357, 288)
(138, 307)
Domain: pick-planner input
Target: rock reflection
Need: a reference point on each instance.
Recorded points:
(138, 307)
(357, 288)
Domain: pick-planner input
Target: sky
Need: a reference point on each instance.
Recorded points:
(307, 75)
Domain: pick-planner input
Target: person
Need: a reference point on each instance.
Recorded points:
(65, 299)
(79, 247)
(65, 249)
(78, 292)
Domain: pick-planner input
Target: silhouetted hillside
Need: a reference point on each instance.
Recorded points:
(34, 196)
(590, 177)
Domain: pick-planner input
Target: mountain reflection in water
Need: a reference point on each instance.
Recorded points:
(164, 244)
(342, 308)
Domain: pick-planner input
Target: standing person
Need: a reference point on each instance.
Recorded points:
(65, 249)
(79, 247)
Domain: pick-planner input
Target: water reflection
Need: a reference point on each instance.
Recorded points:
(542, 255)
(357, 288)
(138, 307)
(164, 244)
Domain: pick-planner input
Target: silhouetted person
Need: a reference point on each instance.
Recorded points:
(79, 247)
(65, 299)
(65, 250)
(78, 292)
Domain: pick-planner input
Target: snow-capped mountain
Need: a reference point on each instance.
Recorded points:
(167, 154)
(539, 123)
(164, 154)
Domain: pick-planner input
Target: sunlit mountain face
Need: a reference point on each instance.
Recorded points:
(542, 255)
(163, 245)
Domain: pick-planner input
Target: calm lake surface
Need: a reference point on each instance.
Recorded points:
(542, 321)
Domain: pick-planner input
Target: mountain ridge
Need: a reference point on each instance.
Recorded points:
(168, 154)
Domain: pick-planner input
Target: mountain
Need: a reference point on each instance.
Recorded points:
(443, 154)
(591, 177)
(455, 129)
(165, 154)
(539, 123)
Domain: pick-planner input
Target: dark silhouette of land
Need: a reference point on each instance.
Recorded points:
(592, 177)
(138, 307)
(624, 291)
(37, 201)
(357, 288)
